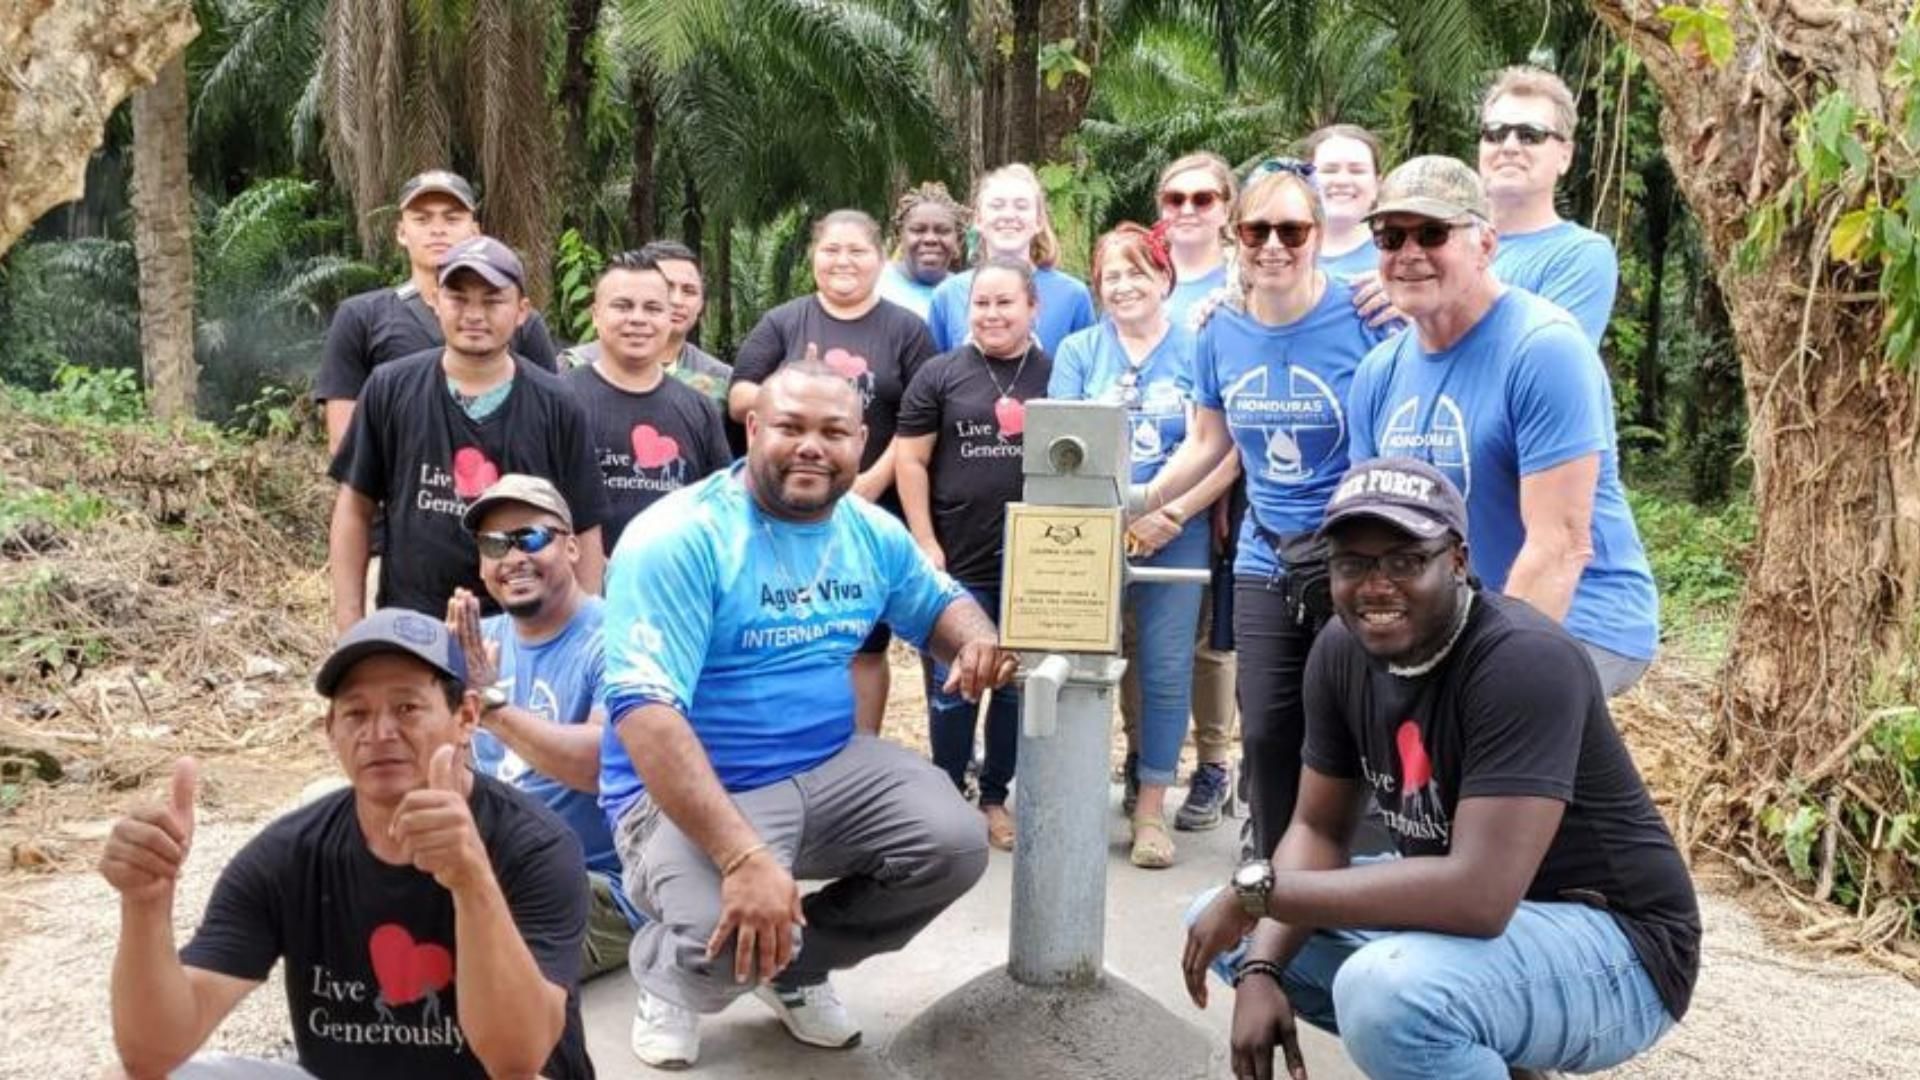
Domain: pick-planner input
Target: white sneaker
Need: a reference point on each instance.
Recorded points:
(664, 1035)
(813, 1014)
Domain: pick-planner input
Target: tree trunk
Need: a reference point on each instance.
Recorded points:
(641, 202)
(722, 276)
(1651, 378)
(994, 107)
(1023, 83)
(576, 92)
(66, 65)
(693, 226)
(1834, 433)
(1063, 108)
(163, 240)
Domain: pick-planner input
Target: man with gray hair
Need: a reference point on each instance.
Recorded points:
(1501, 390)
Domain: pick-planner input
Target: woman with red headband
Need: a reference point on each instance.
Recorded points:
(1135, 356)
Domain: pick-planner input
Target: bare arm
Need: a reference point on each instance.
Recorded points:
(674, 767)
(962, 623)
(570, 753)
(1318, 838)
(912, 453)
(740, 398)
(873, 483)
(1207, 444)
(349, 546)
(1556, 509)
(510, 1011)
(592, 567)
(339, 414)
(163, 1011)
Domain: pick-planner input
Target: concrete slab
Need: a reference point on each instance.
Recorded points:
(1144, 937)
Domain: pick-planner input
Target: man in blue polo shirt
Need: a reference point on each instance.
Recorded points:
(1502, 391)
(731, 764)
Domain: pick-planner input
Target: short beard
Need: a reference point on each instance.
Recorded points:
(770, 487)
(525, 609)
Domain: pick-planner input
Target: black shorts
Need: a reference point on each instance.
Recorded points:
(877, 641)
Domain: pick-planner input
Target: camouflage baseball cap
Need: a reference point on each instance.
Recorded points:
(1433, 186)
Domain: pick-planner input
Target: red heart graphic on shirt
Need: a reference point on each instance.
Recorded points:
(1415, 767)
(652, 449)
(405, 970)
(1011, 415)
(846, 364)
(472, 472)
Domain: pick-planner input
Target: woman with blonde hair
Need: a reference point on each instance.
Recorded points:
(1196, 193)
(1010, 214)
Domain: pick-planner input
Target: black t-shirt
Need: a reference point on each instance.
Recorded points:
(416, 453)
(880, 351)
(648, 445)
(1514, 710)
(390, 324)
(369, 947)
(975, 471)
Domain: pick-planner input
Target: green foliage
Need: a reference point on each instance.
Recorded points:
(88, 396)
(1703, 30)
(69, 507)
(1698, 558)
(67, 303)
(1058, 60)
(575, 264)
(1077, 200)
(276, 413)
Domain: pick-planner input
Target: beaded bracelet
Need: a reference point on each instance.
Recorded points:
(1255, 967)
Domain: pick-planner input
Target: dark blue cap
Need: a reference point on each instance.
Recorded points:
(393, 630)
(1407, 493)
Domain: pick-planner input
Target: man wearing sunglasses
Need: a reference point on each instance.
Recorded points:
(435, 430)
(538, 668)
(1541, 916)
(1501, 390)
(1526, 146)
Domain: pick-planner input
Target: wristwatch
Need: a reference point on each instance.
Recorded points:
(1253, 884)
(493, 697)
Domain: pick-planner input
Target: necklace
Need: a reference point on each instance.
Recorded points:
(1006, 391)
(800, 590)
(1414, 671)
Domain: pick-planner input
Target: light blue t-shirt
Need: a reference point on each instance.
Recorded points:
(1522, 392)
(1364, 259)
(907, 291)
(1065, 306)
(1283, 392)
(1190, 292)
(1567, 264)
(559, 681)
(1091, 366)
(746, 624)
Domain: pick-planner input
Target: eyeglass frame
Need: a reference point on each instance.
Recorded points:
(1419, 234)
(1528, 132)
(497, 544)
(1417, 559)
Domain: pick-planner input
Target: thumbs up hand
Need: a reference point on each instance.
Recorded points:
(435, 828)
(146, 849)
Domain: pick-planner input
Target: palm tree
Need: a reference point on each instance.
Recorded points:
(163, 237)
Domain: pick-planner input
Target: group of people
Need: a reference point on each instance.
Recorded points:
(606, 686)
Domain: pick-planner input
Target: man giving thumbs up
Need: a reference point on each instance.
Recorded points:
(429, 918)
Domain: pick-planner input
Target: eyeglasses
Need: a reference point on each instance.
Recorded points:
(1401, 566)
(532, 539)
(1431, 235)
(1529, 134)
(1292, 234)
(1176, 201)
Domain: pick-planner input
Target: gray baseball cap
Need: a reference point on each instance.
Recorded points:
(439, 182)
(518, 488)
(487, 257)
(1406, 493)
(1434, 186)
(393, 630)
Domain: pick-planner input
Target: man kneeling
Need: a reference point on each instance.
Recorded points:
(1539, 917)
(733, 610)
(430, 919)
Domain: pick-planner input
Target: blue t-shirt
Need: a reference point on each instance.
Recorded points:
(1364, 259)
(1283, 392)
(1090, 366)
(1192, 291)
(746, 625)
(1567, 264)
(1065, 306)
(557, 680)
(902, 288)
(1522, 392)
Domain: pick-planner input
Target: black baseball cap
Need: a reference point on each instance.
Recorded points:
(1406, 493)
(487, 257)
(393, 630)
(439, 182)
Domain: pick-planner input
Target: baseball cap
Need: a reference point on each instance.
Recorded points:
(439, 182)
(1434, 186)
(519, 488)
(487, 257)
(393, 630)
(1406, 493)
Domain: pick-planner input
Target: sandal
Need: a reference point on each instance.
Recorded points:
(1152, 844)
(999, 827)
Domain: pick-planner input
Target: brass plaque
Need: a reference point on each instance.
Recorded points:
(1061, 585)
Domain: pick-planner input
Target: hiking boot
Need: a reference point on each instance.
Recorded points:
(812, 1014)
(1129, 784)
(1207, 793)
(664, 1035)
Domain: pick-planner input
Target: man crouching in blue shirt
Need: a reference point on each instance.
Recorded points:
(731, 764)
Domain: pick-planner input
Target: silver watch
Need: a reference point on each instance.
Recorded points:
(1253, 884)
(494, 697)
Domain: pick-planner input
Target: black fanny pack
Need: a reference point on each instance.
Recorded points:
(1302, 557)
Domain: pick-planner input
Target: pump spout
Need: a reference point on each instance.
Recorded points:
(1040, 699)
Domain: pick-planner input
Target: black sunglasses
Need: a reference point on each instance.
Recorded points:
(1292, 234)
(1177, 201)
(1529, 134)
(1402, 566)
(1431, 235)
(532, 539)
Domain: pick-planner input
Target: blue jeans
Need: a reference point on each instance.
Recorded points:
(950, 722)
(1160, 652)
(1561, 989)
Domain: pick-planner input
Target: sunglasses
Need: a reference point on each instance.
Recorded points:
(532, 539)
(1400, 566)
(1431, 235)
(1302, 169)
(1176, 201)
(1292, 234)
(1528, 134)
